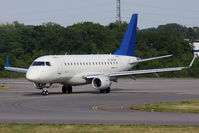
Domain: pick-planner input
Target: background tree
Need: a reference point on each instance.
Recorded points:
(24, 43)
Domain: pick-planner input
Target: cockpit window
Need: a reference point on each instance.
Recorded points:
(41, 63)
(38, 63)
(48, 64)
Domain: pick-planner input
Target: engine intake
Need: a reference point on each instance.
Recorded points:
(101, 83)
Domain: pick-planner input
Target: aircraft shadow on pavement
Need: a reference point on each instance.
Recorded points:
(73, 93)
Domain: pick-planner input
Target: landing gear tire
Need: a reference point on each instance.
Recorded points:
(108, 90)
(70, 89)
(44, 92)
(67, 89)
(101, 91)
(64, 89)
(105, 90)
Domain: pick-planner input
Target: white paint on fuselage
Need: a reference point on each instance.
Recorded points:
(71, 69)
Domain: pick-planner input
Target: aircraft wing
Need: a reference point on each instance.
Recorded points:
(15, 69)
(126, 73)
(137, 72)
(147, 71)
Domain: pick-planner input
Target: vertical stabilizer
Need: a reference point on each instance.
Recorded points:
(128, 44)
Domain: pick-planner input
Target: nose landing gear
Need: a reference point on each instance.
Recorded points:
(44, 92)
(67, 89)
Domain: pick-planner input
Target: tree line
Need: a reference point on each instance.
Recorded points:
(24, 43)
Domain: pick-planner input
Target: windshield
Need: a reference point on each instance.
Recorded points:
(41, 63)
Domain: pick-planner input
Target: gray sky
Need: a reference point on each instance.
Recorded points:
(67, 12)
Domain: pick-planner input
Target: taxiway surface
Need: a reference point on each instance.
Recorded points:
(23, 103)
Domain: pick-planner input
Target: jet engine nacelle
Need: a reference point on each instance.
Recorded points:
(101, 83)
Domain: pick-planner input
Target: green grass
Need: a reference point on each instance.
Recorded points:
(2, 87)
(83, 128)
(183, 107)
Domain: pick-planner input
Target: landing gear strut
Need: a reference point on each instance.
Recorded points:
(67, 89)
(44, 87)
(105, 90)
(44, 92)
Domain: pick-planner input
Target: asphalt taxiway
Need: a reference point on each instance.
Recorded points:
(23, 103)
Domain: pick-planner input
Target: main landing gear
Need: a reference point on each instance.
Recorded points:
(67, 89)
(105, 90)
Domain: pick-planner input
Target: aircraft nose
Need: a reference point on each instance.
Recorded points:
(32, 76)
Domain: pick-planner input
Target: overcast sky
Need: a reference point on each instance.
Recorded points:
(67, 12)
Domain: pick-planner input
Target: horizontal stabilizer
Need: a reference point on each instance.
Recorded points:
(149, 59)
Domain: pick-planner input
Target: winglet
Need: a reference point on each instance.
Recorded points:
(190, 65)
(7, 61)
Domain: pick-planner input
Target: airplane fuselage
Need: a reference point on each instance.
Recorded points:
(71, 69)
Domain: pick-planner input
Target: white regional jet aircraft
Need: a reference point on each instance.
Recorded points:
(99, 70)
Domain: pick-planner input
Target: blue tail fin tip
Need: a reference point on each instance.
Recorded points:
(7, 61)
(128, 44)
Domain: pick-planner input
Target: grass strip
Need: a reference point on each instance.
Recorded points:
(83, 128)
(183, 107)
(2, 87)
